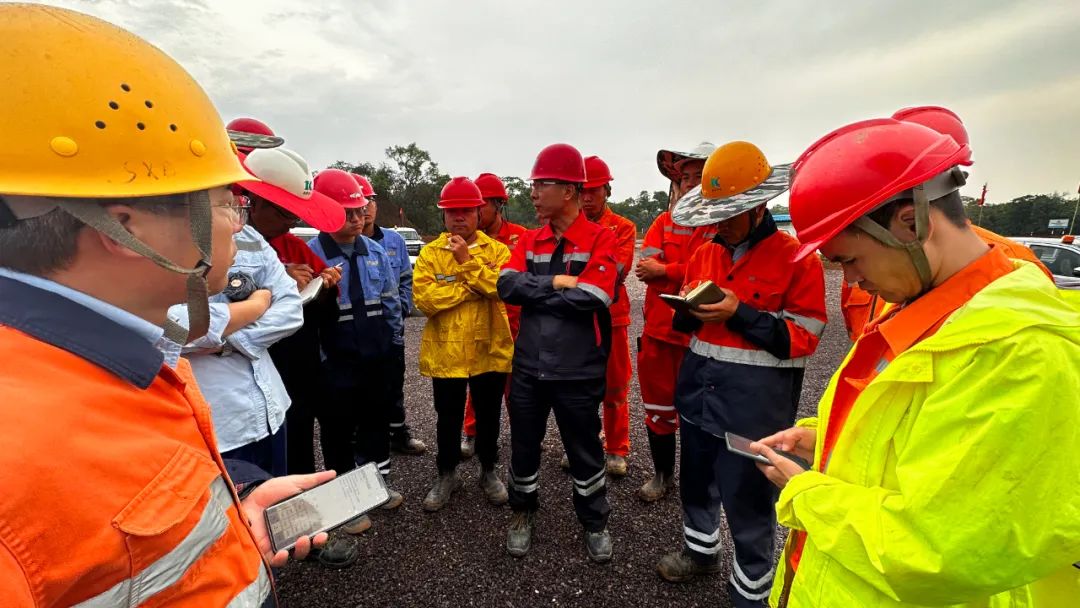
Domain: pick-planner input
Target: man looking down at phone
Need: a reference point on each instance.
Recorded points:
(945, 462)
(744, 371)
(93, 252)
(466, 345)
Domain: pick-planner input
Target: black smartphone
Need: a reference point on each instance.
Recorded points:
(741, 445)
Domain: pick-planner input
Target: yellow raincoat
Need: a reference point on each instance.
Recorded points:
(467, 332)
(956, 479)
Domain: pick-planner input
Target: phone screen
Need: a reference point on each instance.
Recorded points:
(326, 506)
(741, 446)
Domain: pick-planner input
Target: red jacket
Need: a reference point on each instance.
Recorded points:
(625, 240)
(671, 244)
(565, 334)
(509, 235)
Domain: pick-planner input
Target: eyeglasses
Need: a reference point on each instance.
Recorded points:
(239, 208)
(353, 214)
(536, 184)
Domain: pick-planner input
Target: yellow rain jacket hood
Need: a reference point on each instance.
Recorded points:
(467, 332)
(956, 479)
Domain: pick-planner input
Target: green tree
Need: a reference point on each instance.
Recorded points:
(642, 209)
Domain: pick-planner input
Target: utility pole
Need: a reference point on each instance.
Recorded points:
(1072, 224)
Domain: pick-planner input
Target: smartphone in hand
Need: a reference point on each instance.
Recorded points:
(741, 445)
(326, 506)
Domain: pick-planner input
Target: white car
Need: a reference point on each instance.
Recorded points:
(1060, 255)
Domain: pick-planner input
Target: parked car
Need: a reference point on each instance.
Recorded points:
(413, 242)
(1061, 256)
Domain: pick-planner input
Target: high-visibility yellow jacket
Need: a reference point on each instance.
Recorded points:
(467, 332)
(956, 479)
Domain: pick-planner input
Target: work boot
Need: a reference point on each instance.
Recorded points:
(683, 566)
(440, 493)
(468, 447)
(357, 526)
(616, 465)
(395, 500)
(493, 488)
(657, 487)
(410, 446)
(565, 462)
(598, 544)
(519, 538)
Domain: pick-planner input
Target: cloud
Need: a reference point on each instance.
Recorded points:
(484, 85)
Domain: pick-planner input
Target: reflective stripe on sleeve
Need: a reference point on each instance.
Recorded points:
(650, 251)
(506, 271)
(730, 354)
(595, 291)
(810, 324)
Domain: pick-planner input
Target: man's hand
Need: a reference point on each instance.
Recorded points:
(274, 491)
(650, 269)
(301, 273)
(564, 281)
(796, 440)
(719, 312)
(331, 276)
(460, 249)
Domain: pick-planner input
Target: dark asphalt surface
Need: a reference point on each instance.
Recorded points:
(456, 557)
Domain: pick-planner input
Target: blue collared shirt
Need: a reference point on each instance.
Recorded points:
(247, 398)
(398, 253)
(153, 334)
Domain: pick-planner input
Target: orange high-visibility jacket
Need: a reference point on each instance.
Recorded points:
(625, 240)
(673, 245)
(116, 494)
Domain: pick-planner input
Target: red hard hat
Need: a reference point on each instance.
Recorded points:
(597, 172)
(365, 185)
(342, 187)
(491, 186)
(460, 193)
(942, 120)
(560, 162)
(249, 125)
(855, 169)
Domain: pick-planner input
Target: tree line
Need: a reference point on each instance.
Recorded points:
(408, 183)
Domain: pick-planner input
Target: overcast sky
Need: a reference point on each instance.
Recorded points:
(484, 85)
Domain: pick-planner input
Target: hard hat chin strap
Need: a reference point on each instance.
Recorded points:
(97, 217)
(941, 185)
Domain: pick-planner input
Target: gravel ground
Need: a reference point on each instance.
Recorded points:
(456, 557)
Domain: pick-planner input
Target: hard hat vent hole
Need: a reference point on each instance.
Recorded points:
(126, 88)
(100, 124)
(172, 128)
(140, 126)
(149, 103)
(114, 105)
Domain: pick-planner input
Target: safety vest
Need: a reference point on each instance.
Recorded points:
(117, 495)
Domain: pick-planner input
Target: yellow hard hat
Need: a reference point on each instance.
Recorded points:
(89, 110)
(736, 178)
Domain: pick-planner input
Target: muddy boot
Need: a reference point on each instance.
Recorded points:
(409, 446)
(662, 449)
(440, 493)
(468, 447)
(396, 499)
(519, 537)
(493, 488)
(615, 465)
(598, 544)
(357, 526)
(565, 462)
(683, 566)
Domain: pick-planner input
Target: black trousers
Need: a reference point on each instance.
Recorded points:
(576, 404)
(487, 391)
(713, 478)
(352, 421)
(301, 437)
(395, 415)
